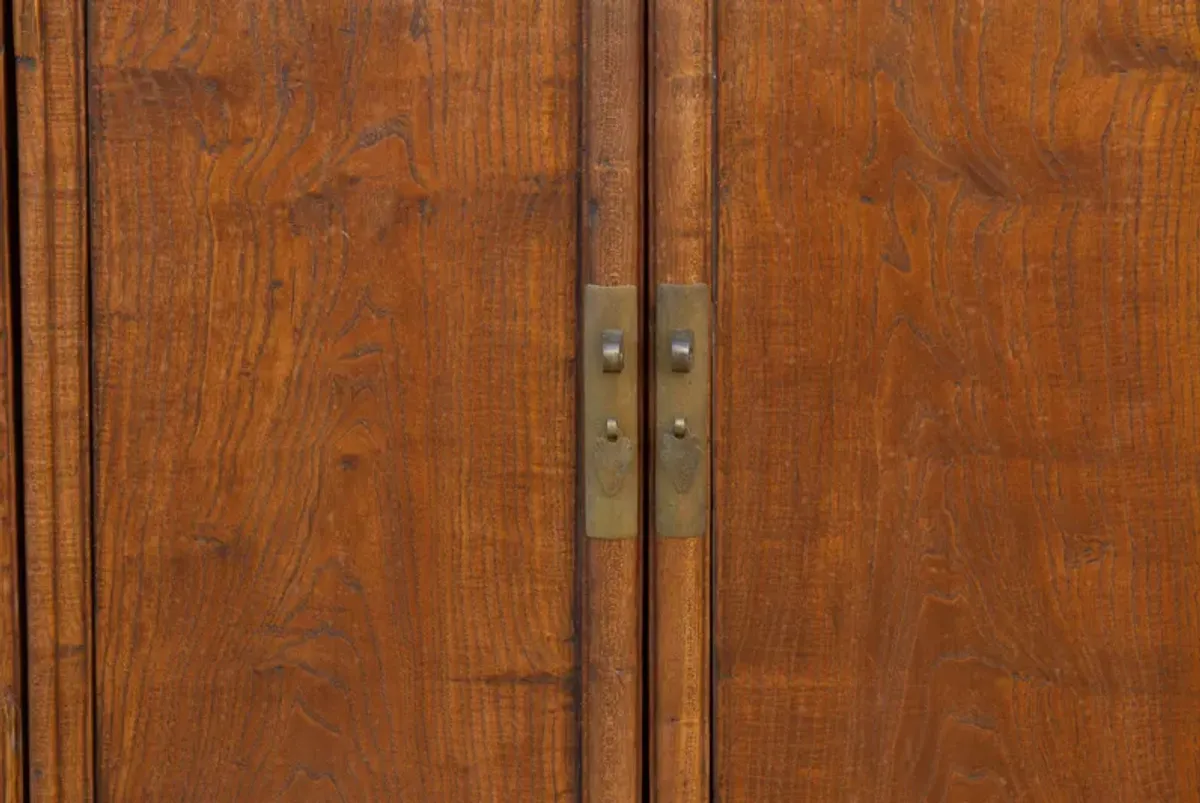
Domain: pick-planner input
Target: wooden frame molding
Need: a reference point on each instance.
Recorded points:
(51, 112)
(12, 770)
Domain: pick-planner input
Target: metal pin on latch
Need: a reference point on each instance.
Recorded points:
(682, 345)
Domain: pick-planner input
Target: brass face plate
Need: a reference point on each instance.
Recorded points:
(609, 427)
(683, 371)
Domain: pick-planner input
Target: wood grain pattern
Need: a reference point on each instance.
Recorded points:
(12, 769)
(681, 223)
(49, 57)
(335, 283)
(613, 239)
(957, 507)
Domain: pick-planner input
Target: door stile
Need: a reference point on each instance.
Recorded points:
(680, 276)
(612, 245)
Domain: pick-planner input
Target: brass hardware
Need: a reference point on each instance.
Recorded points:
(682, 393)
(609, 425)
(679, 429)
(612, 348)
(682, 341)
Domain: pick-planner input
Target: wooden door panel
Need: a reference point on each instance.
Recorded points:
(335, 274)
(956, 418)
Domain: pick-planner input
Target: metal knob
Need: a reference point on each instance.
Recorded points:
(612, 350)
(682, 346)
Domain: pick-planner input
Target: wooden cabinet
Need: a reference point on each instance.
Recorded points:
(295, 442)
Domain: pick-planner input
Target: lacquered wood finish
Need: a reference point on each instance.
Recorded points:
(612, 254)
(681, 218)
(335, 279)
(12, 726)
(55, 428)
(956, 461)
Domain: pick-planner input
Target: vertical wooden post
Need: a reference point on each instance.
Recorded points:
(613, 254)
(12, 771)
(681, 245)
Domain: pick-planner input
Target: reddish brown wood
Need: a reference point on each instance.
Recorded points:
(12, 772)
(335, 282)
(48, 39)
(612, 647)
(957, 517)
(612, 255)
(680, 253)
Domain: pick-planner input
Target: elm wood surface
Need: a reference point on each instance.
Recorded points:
(335, 281)
(956, 424)
(12, 771)
(52, 203)
(611, 253)
(681, 223)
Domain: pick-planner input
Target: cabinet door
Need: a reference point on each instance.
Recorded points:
(333, 284)
(300, 299)
(956, 402)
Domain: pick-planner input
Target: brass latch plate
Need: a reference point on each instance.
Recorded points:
(610, 422)
(682, 410)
